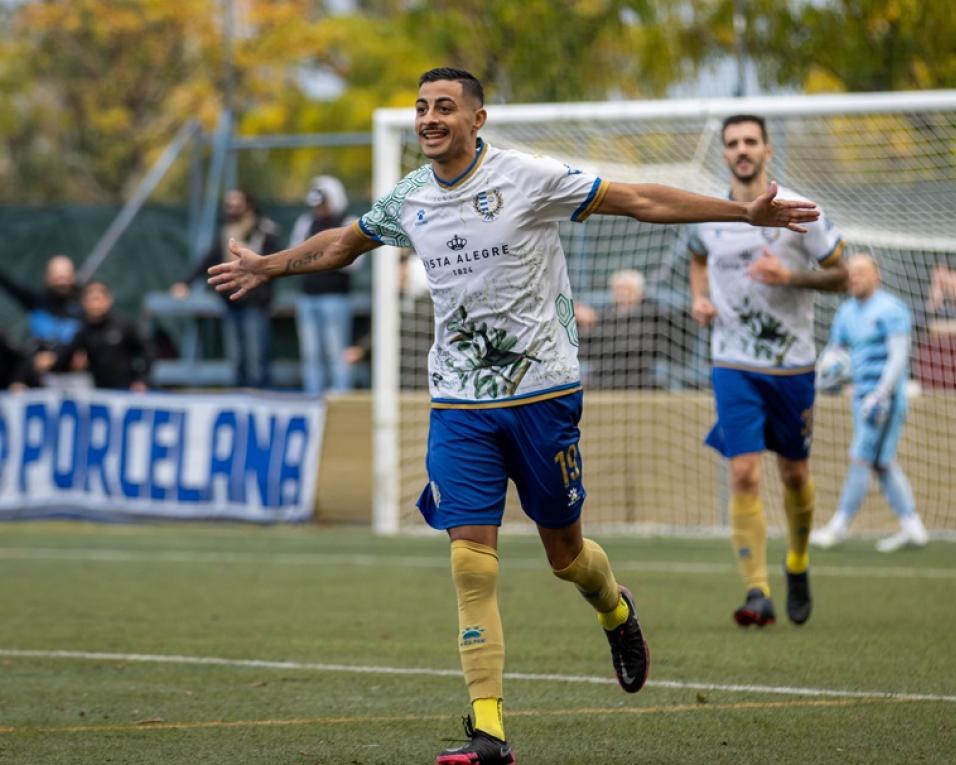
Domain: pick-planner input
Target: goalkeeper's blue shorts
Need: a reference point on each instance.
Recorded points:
(758, 411)
(876, 444)
(473, 452)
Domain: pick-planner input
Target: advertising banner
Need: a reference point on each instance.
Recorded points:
(115, 455)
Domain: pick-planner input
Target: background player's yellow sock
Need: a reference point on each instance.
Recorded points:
(474, 569)
(799, 504)
(748, 532)
(591, 574)
(488, 716)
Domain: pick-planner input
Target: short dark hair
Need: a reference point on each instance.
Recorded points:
(736, 119)
(97, 284)
(469, 83)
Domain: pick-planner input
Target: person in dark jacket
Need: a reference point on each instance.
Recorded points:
(54, 315)
(247, 320)
(106, 344)
(10, 359)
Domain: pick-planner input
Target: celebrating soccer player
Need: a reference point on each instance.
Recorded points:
(503, 370)
(875, 327)
(755, 286)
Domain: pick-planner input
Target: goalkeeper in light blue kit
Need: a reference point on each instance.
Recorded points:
(874, 326)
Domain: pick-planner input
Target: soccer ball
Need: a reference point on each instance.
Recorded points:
(833, 370)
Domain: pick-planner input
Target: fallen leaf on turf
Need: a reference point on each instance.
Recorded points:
(258, 684)
(701, 698)
(150, 721)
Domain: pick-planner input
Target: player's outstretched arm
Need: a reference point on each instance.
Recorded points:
(654, 203)
(326, 251)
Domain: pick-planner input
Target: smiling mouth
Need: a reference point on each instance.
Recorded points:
(433, 135)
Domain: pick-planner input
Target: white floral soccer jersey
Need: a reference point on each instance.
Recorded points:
(504, 316)
(760, 326)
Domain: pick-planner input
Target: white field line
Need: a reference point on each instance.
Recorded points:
(409, 561)
(429, 672)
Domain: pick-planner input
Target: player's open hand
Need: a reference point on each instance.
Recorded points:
(238, 277)
(767, 210)
(769, 269)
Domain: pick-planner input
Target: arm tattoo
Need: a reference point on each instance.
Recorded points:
(831, 279)
(299, 264)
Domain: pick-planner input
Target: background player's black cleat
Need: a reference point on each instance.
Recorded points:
(799, 601)
(482, 749)
(629, 652)
(757, 609)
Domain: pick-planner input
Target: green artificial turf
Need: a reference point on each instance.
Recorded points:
(161, 599)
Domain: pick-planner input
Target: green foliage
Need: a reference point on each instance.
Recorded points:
(92, 90)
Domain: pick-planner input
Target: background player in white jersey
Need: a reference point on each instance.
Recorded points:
(874, 326)
(755, 285)
(503, 371)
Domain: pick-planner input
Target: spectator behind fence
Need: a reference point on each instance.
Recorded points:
(10, 360)
(323, 311)
(106, 345)
(247, 321)
(941, 302)
(620, 342)
(53, 312)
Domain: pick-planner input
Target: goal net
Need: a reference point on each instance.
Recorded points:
(882, 166)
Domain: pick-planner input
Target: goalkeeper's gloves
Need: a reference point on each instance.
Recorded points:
(875, 407)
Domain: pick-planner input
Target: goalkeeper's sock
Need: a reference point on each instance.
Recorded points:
(474, 569)
(799, 504)
(591, 574)
(898, 491)
(488, 716)
(748, 533)
(855, 486)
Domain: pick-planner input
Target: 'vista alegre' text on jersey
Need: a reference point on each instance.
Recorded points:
(504, 316)
(760, 326)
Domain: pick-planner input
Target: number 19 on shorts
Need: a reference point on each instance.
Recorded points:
(567, 460)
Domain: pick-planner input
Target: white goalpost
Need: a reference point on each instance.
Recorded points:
(882, 166)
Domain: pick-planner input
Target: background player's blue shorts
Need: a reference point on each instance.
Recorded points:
(757, 411)
(473, 452)
(876, 444)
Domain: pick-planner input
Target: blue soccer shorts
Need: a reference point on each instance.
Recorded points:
(876, 444)
(473, 452)
(758, 411)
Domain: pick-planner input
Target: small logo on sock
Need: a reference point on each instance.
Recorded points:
(472, 637)
(744, 552)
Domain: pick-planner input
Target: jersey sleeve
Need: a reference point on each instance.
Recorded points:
(383, 222)
(896, 320)
(558, 191)
(696, 244)
(838, 333)
(823, 242)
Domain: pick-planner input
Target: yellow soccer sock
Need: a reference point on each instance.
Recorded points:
(609, 620)
(748, 531)
(488, 717)
(591, 574)
(474, 569)
(799, 505)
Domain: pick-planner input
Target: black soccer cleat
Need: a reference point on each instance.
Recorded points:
(629, 652)
(757, 609)
(482, 749)
(799, 601)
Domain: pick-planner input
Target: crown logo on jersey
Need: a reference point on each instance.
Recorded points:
(488, 204)
(456, 243)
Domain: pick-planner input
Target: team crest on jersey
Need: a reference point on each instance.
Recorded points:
(488, 204)
(770, 234)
